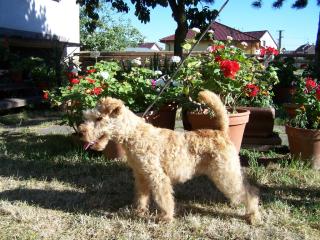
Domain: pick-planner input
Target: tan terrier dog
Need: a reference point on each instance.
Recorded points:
(162, 157)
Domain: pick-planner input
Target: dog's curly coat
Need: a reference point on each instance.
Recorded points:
(161, 157)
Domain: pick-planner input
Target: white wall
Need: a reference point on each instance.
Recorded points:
(268, 40)
(60, 18)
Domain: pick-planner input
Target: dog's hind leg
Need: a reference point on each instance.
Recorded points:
(225, 172)
(142, 193)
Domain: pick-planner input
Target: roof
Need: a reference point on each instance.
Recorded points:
(221, 32)
(257, 34)
(148, 45)
(305, 48)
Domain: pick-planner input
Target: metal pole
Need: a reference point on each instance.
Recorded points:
(183, 61)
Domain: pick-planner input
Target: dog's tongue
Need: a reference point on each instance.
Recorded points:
(87, 145)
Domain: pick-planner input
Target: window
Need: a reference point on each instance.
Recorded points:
(263, 43)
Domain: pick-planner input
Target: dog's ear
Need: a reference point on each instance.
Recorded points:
(110, 106)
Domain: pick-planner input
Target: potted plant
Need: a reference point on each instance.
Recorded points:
(143, 87)
(286, 72)
(304, 129)
(137, 87)
(41, 73)
(223, 70)
(82, 90)
(262, 77)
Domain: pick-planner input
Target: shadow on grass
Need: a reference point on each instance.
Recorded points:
(28, 119)
(298, 197)
(107, 185)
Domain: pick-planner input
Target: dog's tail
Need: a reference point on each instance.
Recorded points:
(215, 104)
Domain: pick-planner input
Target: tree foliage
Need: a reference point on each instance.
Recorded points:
(112, 33)
(278, 3)
(186, 13)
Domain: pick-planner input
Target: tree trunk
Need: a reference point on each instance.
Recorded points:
(179, 15)
(180, 36)
(317, 53)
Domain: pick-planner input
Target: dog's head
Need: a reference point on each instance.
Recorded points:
(99, 123)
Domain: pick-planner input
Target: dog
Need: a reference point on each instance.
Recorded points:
(161, 157)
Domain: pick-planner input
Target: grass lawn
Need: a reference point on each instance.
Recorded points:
(51, 189)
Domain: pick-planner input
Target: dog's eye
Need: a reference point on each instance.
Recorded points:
(99, 119)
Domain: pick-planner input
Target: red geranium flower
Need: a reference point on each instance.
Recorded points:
(310, 84)
(252, 90)
(90, 80)
(268, 51)
(74, 80)
(229, 68)
(96, 91)
(91, 70)
(45, 95)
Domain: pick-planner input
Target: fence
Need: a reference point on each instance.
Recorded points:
(86, 57)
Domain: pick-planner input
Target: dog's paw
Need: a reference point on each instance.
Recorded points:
(165, 218)
(141, 212)
(254, 219)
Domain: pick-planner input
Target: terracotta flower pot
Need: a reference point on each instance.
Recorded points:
(261, 122)
(165, 117)
(305, 143)
(237, 123)
(290, 109)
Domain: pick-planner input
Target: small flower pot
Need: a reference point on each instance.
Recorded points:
(305, 144)
(290, 109)
(165, 117)
(237, 123)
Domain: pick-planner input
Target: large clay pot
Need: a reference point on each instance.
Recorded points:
(261, 122)
(237, 123)
(305, 143)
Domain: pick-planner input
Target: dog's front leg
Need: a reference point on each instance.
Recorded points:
(162, 192)
(142, 193)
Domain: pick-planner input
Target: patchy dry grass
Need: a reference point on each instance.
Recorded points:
(52, 189)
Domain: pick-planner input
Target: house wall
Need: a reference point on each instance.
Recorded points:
(202, 46)
(46, 17)
(268, 40)
(155, 48)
